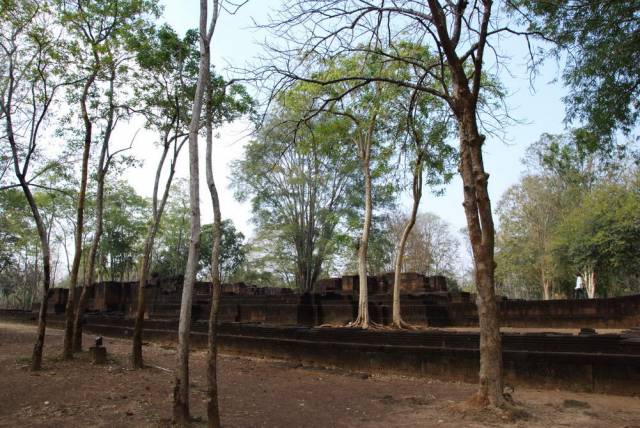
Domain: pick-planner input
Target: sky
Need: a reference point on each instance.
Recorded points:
(538, 109)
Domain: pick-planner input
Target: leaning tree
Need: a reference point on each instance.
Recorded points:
(31, 77)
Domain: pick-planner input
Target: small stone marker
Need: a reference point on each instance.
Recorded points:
(98, 352)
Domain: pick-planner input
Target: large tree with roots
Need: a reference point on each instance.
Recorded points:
(459, 33)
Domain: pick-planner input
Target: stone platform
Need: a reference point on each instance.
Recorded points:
(425, 302)
(602, 363)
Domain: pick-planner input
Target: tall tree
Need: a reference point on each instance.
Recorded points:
(105, 160)
(599, 236)
(181, 414)
(29, 82)
(426, 129)
(600, 42)
(169, 63)
(529, 212)
(302, 183)
(95, 29)
(458, 31)
(224, 103)
(372, 126)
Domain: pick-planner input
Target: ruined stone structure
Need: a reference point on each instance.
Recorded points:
(333, 300)
(425, 301)
(281, 323)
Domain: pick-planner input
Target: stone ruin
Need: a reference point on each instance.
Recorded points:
(425, 301)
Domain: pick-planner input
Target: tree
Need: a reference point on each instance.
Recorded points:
(302, 183)
(432, 248)
(372, 127)
(579, 159)
(601, 43)
(19, 268)
(458, 32)
(599, 237)
(106, 158)
(30, 80)
(169, 63)
(529, 213)
(181, 413)
(170, 253)
(427, 129)
(224, 103)
(96, 30)
(233, 253)
(125, 219)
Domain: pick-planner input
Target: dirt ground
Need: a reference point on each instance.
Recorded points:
(259, 393)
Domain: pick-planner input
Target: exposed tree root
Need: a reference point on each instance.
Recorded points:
(403, 325)
(505, 409)
(364, 324)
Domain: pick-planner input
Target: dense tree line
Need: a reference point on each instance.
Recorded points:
(576, 211)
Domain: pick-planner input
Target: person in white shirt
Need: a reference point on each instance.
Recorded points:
(579, 291)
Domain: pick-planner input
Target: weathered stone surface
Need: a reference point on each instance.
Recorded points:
(98, 354)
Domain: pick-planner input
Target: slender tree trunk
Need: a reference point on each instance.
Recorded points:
(103, 167)
(67, 347)
(477, 208)
(546, 286)
(213, 413)
(589, 276)
(136, 342)
(397, 275)
(36, 356)
(158, 209)
(181, 413)
(363, 320)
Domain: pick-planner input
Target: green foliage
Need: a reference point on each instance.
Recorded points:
(233, 253)
(167, 79)
(603, 233)
(601, 41)
(579, 212)
(125, 218)
(172, 242)
(301, 181)
(580, 158)
(529, 213)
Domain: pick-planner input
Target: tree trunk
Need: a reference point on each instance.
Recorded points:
(181, 414)
(136, 342)
(103, 167)
(477, 208)
(546, 286)
(36, 356)
(213, 413)
(590, 280)
(363, 320)
(67, 347)
(397, 275)
(158, 209)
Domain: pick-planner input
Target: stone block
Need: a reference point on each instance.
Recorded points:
(98, 354)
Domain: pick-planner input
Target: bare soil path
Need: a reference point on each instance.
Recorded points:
(258, 393)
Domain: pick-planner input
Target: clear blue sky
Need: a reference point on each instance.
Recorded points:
(236, 42)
